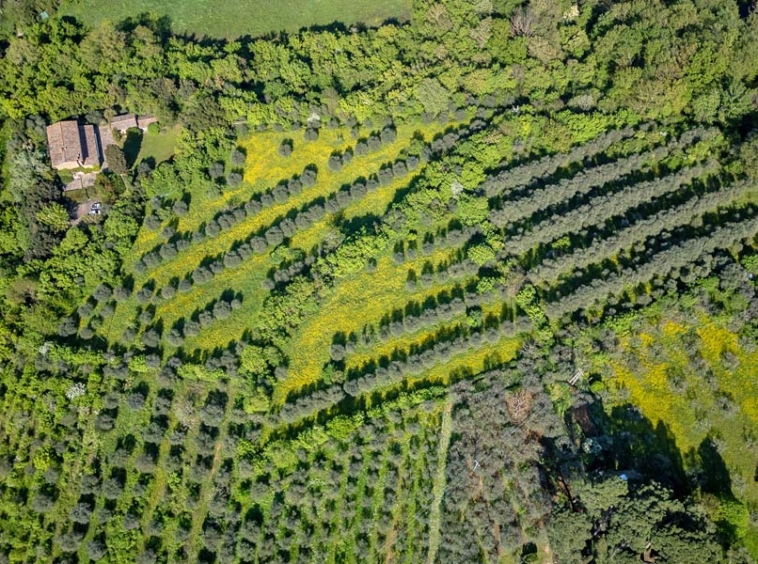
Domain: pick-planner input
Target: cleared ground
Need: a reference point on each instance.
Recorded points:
(245, 17)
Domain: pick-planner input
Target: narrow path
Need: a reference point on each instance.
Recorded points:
(438, 489)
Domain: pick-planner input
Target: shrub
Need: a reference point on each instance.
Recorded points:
(221, 310)
(388, 135)
(102, 293)
(85, 310)
(69, 542)
(96, 549)
(280, 194)
(81, 513)
(144, 295)
(67, 327)
(201, 275)
(234, 179)
(168, 292)
(112, 488)
(179, 208)
(285, 149)
(167, 252)
(337, 352)
(274, 236)
(191, 329)
(150, 338)
(238, 157)
(335, 163)
(232, 260)
(175, 338)
(152, 222)
(205, 318)
(217, 267)
(310, 134)
(294, 187)
(216, 170)
(120, 293)
(308, 178)
(252, 207)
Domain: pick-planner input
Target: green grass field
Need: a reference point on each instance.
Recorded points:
(248, 17)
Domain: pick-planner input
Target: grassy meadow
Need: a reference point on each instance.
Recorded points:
(248, 17)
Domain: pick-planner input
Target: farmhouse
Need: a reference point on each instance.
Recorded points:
(72, 145)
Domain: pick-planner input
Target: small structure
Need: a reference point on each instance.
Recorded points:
(144, 121)
(124, 122)
(72, 145)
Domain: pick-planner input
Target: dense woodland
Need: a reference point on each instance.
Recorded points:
(480, 286)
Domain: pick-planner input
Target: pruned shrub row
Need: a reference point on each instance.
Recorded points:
(675, 257)
(528, 172)
(396, 370)
(604, 207)
(665, 219)
(280, 194)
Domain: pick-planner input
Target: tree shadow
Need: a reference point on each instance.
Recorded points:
(132, 146)
(630, 445)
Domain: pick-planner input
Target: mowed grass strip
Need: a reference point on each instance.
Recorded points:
(243, 17)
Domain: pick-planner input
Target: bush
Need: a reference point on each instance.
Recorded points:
(152, 222)
(179, 208)
(168, 292)
(399, 169)
(67, 327)
(96, 549)
(167, 252)
(234, 179)
(175, 338)
(212, 229)
(285, 149)
(388, 135)
(191, 329)
(335, 163)
(120, 293)
(238, 157)
(112, 488)
(310, 134)
(308, 178)
(102, 293)
(150, 338)
(337, 352)
(85, 310)
(144, 295)
(280, 194)
(216, 171)
(221, 310)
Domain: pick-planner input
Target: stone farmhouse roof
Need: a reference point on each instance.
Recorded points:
(72, 145)
(125, 122)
